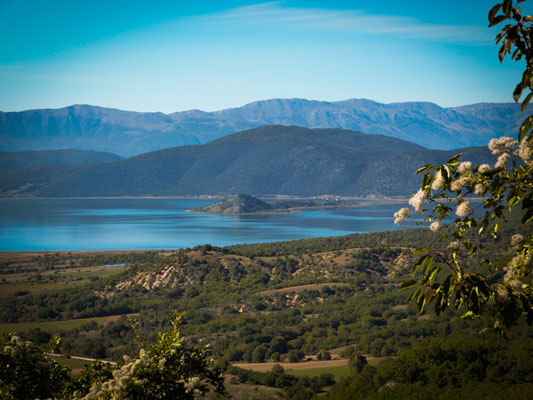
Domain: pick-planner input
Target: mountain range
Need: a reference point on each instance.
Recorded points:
(270, 160)
(131, 133)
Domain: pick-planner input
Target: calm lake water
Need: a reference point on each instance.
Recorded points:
(106, 224)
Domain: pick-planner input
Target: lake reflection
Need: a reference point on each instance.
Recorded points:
(106, 224)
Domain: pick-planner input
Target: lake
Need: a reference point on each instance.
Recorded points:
(127, 224)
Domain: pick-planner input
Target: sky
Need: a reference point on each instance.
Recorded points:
(177, 55)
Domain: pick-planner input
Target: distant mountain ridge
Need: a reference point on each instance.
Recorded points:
(269, 160)
(130, 133)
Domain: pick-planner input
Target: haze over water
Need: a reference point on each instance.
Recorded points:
(127, 224)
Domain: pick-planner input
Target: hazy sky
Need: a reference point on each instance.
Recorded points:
(177, 55)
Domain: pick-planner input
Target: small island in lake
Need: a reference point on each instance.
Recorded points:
(246, 204)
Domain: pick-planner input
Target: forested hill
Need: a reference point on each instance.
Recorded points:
(11, 161)
(131, 133)
(239, 204)
(268, 160)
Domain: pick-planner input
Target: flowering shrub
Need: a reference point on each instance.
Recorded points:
(506, 294)
(167, 370)
(27, 373)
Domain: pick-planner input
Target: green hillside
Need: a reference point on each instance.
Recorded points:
(238, 204)
(268, 160)
(11, 161)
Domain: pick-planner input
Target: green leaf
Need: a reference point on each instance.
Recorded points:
(517, 92)
(525, 127)
(507, 5)
(415, 294)
(497, 20)
(528, 216)
(425, 180)
(422, 250)
(526, 101)
(425, 168)
(455, 159)
(493, 11)
(422, 261)
(408, 284)
(504, 49)
(512, 201)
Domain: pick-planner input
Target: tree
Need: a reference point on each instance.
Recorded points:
(167, 370)
(27, 373)
(296, 355)
(357, 362)
(323, 355)
(502, 289)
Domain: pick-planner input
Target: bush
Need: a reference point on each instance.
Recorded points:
(296, 355)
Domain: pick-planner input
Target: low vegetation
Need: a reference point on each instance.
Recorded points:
(319, 308)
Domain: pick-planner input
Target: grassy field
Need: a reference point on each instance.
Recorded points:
(250, 392)
(306, 365)
(337, 367)
(20, 284)
(338, 371)
(52, 326)
(74, 364)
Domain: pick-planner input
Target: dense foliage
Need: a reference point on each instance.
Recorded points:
(446, 369)
(166, 370)
(502, 290)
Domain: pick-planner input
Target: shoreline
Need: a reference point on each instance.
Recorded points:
(5, 253)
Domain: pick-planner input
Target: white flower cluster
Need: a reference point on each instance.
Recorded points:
(400, 215)
(122, 378)
(464, 167)
(520, 263)
(511, 270)
(15, 344)
(435, 226)
(191, 384)
(503, 159)
(460, 183)
(502, 144)
(463, 209)
(516, 239)
(417, 200)
(438, 181)
(454, 245)
(525, 150)
(465, 178)
(480, 189)
(483, 168)
(143, 355)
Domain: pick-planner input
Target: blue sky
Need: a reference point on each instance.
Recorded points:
(177, 55)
